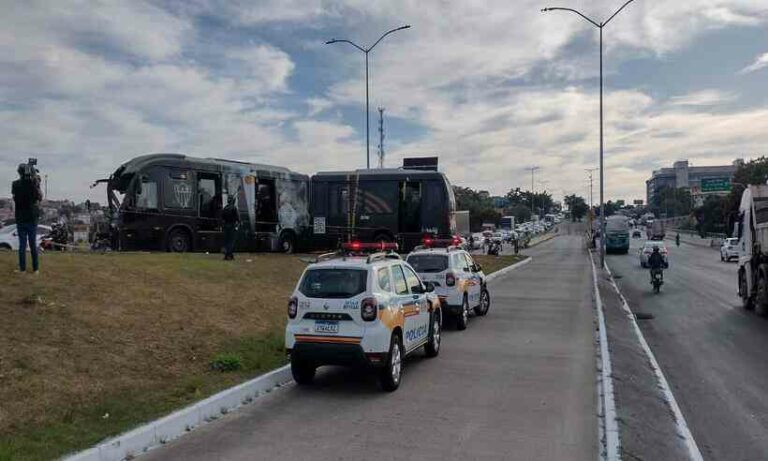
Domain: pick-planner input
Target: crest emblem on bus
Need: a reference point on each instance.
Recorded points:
(182, 193)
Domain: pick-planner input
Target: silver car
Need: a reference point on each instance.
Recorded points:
(729, 249)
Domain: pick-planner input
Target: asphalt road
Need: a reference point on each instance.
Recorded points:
(713, 353)
(518, 384)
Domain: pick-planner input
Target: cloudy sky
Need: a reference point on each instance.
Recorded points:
(492, 87)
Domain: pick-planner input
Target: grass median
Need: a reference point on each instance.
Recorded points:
(99, 343)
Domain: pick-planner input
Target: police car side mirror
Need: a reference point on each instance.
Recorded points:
(429, 287)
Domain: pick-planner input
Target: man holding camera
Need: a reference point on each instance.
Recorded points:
(26, 197)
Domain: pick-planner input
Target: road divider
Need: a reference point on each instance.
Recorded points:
(609, 427)
(178, 423)
(681, 426)
(507, 269)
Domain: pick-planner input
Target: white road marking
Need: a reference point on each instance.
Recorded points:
(607, 407)
(682, 427)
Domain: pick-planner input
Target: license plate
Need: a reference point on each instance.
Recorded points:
(326, 326)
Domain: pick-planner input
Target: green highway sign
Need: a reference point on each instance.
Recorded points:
(715, 185)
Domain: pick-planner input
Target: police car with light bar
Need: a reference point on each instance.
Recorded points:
(458, 279)
(351, 308)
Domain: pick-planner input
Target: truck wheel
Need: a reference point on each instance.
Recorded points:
(389, 376)
(761, 303)
(432, 348)
(463, 319)
(746, 299)
(303, 372)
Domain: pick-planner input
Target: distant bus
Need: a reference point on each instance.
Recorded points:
(617, 234)
(392, 205)
(173, 202)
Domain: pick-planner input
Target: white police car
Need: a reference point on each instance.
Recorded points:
(350, 309)
(458, 279)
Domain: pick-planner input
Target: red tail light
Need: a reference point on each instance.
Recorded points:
(450, 279)
(427, 241)
(379, 246)
(369, 309)
(293, 307)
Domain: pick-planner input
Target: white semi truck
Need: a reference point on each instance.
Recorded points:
(752, 230)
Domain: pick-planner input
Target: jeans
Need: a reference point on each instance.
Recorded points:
(27, 233)
(229, 241)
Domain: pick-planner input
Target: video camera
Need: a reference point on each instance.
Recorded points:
(28, 169)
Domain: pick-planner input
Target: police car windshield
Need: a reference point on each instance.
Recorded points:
(428, 263)
(333, 283)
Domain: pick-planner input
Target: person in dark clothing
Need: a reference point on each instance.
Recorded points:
(230, 218)
(26, 197)
(656, 262)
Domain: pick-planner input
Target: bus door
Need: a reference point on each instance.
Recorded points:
(209, 208)
(266, 206)
(410, 207)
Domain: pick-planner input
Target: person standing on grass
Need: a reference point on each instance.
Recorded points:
(230, 218)
(26, 198)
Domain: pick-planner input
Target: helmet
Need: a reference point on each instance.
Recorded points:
(231, 200)
(655, 248)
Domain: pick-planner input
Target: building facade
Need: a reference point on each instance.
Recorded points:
(683, 175)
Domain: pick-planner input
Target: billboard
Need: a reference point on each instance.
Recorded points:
(715, 185)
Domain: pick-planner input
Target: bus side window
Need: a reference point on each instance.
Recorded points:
(146, 193)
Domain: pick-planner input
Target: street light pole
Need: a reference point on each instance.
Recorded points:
(532, 168)
(602, 176)
(367, 110)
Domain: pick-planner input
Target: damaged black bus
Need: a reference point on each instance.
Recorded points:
(173, 202)
(393, 205)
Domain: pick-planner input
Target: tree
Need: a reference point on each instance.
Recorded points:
(577, 206)
(671, 202)
(712, 216)
(542, 201)
(479, 204)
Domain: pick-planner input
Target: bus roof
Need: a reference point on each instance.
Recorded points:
(380, 173)
(172, 159)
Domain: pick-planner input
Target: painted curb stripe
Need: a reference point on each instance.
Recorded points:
(158, 432)
(682, 427)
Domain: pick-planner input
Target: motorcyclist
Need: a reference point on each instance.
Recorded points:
(656, 263)
(677, 239)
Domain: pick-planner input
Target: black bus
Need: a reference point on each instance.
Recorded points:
(389, 205)
(173, 202)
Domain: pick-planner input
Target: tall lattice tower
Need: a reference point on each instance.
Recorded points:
(381, 137)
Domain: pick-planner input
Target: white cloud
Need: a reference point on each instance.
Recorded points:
(268, 68)
(760, 62)
(703, 98)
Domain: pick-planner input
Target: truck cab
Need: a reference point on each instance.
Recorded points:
(752, 231)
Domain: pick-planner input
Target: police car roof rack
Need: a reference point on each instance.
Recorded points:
(383, 255)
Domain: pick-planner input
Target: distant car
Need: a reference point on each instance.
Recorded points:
(637, 234)
(477, 241)
(458, 279)
(647, 249)
(9, 238)
(729, 249)
(497, 237)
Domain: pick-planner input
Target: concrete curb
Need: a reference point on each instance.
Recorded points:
(178, 423)
(504, 270)
(683, 431)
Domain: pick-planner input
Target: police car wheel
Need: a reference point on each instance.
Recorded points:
(389, 376)
(303, 372)
(485, 303)
(432, 348)
(463, 319)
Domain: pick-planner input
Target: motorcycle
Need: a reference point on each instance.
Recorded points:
(657, 280)
(494, 248)
(57, 238)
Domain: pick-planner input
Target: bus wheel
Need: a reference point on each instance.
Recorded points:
(287, 243)
(178, 241)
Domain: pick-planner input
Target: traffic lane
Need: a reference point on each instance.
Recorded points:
(710, 349)
(517, 384)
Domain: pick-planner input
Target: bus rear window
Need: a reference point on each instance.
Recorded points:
(428, 263)
(333, 283)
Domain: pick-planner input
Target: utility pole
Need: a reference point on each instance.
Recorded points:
(589, 172)
(381, 137)
(533, 169)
